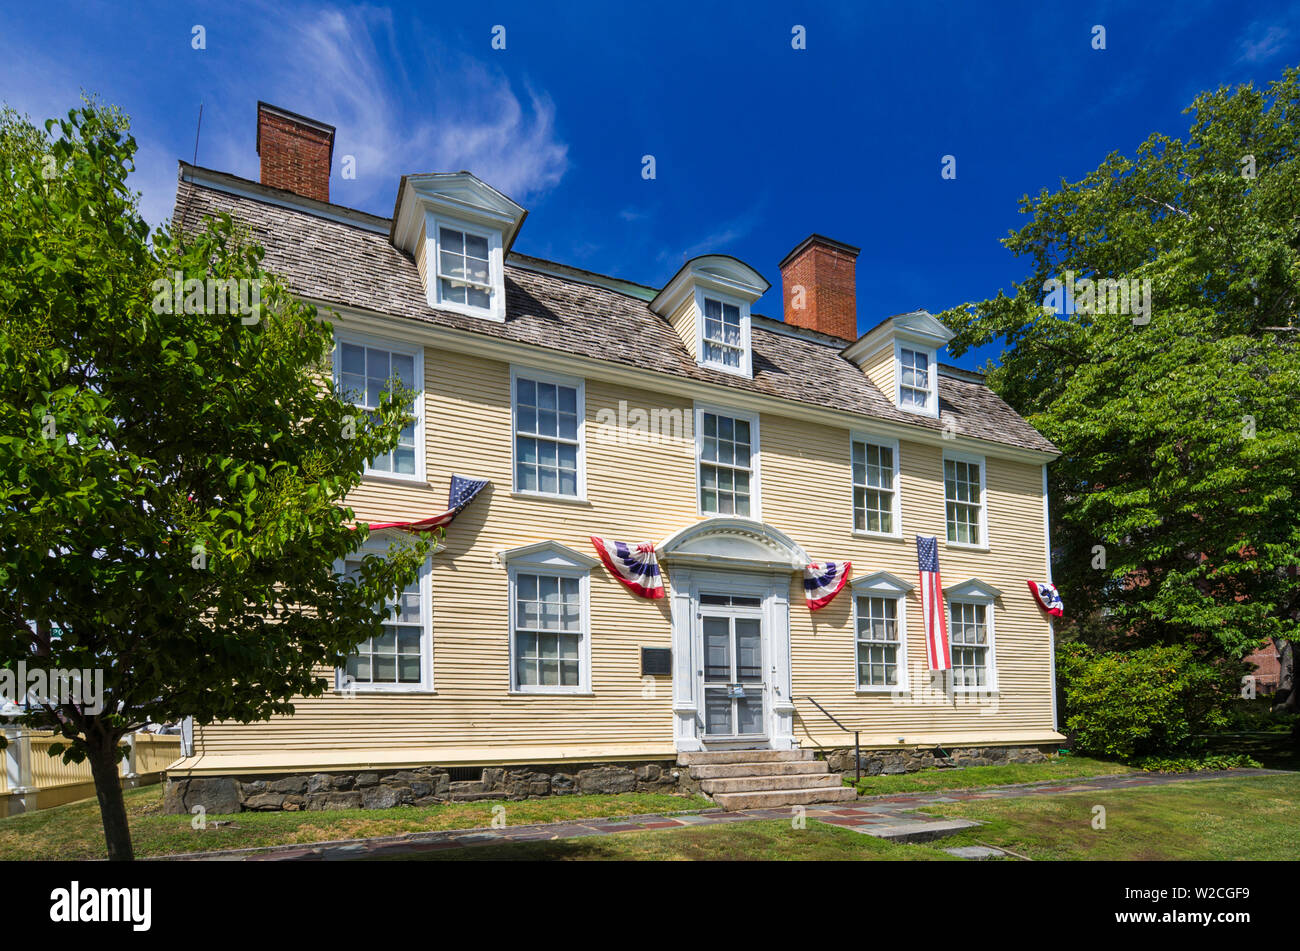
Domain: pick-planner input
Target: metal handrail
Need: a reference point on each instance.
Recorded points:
(857, 751)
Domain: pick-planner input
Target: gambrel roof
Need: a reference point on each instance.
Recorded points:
(340, 256)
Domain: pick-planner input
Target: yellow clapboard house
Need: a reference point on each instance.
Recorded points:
(743, 448)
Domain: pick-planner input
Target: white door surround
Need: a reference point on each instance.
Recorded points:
(745, 559)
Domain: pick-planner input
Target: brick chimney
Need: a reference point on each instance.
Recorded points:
(296, 152)
(817, 282)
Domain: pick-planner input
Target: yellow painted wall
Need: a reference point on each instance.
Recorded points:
(645, 491)
(880, 369)
(685, 320)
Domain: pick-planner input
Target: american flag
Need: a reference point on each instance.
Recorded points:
(936, 621)
(1048, 598)
(460, 494)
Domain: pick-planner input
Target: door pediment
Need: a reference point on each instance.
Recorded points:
(733, 542)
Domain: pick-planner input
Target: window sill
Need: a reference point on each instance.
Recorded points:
(551, 693)
(882, 691)
(959, 546)
(877, 536)
(548, 497)
(721, 368)
(368, 691)
(391, 479)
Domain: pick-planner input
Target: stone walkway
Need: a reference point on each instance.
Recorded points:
(891, 817)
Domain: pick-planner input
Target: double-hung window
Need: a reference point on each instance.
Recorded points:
(548, 435)
(464, 268)
(879, 641)
(723, 340)
(963, 489)
(968, 633)
(914, 380)
(364, 370)
(399, 658)
(875, 487)
(548, 631)
(728, 447)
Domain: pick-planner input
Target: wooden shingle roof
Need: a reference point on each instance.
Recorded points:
(352, 264)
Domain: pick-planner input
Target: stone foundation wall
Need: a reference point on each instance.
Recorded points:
(888, 762)
(419, 786)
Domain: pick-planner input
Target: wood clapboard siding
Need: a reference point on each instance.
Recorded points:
(643, 488)
(879, 368)
(685, 320)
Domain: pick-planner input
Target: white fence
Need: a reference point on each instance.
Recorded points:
(32, 779)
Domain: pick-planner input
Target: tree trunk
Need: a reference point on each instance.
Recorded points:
(102, 754)
(1286, 675)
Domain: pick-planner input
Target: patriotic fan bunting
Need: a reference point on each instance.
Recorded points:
(936, 619)
(822, 580)
(1048, 598)
(462, 492)
(634, 565)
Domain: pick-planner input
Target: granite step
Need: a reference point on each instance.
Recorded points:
(764, 783)
(716, 758)
(770, 799)
(732, 770)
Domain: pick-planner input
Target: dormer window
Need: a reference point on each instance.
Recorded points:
(724, 339)
(707, 302)
(458, 230)
(914, 384)
(900, 356)
(464, 268)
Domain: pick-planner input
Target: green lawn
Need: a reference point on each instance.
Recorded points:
(770, 840)
(74, 831)
(974, 777)
(1251, 817)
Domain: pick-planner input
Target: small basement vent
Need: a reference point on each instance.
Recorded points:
(656, 662)
(464, 774)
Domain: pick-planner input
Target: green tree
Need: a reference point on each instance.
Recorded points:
(1174, 502)
(171, 478)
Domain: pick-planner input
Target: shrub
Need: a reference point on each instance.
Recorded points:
(1151, 701)
(1191, 764)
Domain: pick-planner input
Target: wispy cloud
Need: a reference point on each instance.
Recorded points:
(1262, 42)
(446, 112)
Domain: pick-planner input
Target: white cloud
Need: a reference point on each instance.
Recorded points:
(445, 113)
(1258, 49)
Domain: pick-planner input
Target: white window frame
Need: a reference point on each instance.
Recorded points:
(393, 345)
(541, 376)
(550, 558)
(896, 517)
(746, 367)
(755, 501)
(881, 584)
(931, 407)
(379, 545)
(496, 309)
(984, 595)
(973, 459)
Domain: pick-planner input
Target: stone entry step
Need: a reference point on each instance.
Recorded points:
(785, 797)
(745, 756)
(761, 783)
(731, 770)
(761, 779)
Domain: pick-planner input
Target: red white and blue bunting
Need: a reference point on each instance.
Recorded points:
(822, 580)
(1048, 598)
(634, 565)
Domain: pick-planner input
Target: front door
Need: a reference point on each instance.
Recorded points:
(734, 687)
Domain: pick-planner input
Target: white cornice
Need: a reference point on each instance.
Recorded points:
(508, 351)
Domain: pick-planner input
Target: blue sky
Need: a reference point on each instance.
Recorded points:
(756, 144)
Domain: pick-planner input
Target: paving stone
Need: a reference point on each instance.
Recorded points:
(978, 853)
